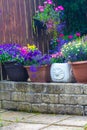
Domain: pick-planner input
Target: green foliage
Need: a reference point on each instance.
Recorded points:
(75, 50)
(59, 59)
(85, 127)
(75, 15)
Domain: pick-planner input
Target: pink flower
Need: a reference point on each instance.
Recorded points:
(41, 8)
(45, 2)
(49, 2)
(70, 36)
(61, 35)
(78, 34)
(57, 40)
(24, 50)
(56, 55)
(60, 7)
(56, 9)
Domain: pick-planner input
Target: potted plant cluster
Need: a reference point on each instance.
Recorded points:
(21, 63)
(11, 59)
(48, 17)
(75, 53)
(37, 66)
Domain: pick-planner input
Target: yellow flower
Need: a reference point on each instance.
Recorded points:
(31, 47)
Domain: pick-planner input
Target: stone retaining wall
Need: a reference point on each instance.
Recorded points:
(61, 98)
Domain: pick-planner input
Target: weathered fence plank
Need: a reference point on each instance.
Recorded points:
(16, 23)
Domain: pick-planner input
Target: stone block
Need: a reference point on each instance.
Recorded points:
(29, 97)
(24, 106)
(73, 99)
(73, 89)
(42, 107)
(67, 99)
(84, 89)
(38, 88)
(82, 99)
(33, 97)
(85, 110)
(7, 86)
(0, 105)
(10, 105)
(56, 108)
(22, 87)
(4, 95)
(56, 88)
(18, 96)
(65, 109)
(50, 98)
(74, 109)
(37, 98)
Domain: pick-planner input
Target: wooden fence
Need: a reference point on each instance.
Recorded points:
(16, 23)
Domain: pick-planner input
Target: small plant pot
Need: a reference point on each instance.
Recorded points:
(3, 72)
(16, 71)
(39, 74)
(61, 72)
(80, 71)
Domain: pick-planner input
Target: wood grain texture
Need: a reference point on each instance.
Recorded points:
(16, 23)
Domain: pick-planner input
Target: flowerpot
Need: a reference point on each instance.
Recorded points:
(0, 71)
(15, 71)
(3, 72)
(39, 74)
(80, 71)
(61, 72)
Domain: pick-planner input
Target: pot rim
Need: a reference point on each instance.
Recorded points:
(78, 62)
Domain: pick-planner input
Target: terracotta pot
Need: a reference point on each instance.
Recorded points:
(39, 74)
(80, 71)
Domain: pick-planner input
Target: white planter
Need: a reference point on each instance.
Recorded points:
(61, 72)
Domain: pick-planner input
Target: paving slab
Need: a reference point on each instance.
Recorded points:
(23, 126)
(4, 123)
(46, 118)
(63, 128)
(74, 121)
(15, 116)
(2, 110)
(13, 120)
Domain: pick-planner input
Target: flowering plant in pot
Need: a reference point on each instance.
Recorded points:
(75, 52)
(48, 16)
(11, 59)
(38, 66)
(60, 70)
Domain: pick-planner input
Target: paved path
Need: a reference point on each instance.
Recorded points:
(11, 120)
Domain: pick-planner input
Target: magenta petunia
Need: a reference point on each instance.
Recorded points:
(61, 35)
(78, 34)
(60, 7)
(70, 36)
